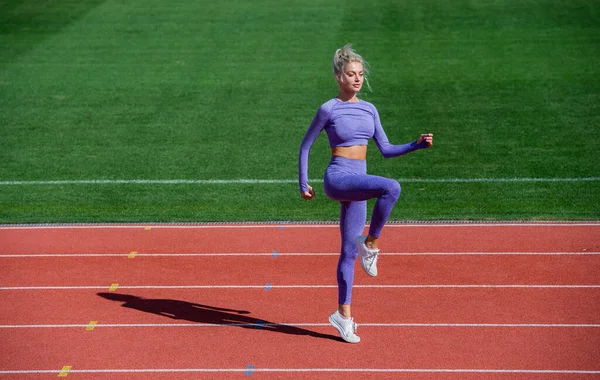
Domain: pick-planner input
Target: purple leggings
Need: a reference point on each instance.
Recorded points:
(346, 181)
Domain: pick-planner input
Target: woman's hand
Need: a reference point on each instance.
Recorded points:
(427, 137)
(308, 195)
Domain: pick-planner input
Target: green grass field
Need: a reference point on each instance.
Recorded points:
(224, 90)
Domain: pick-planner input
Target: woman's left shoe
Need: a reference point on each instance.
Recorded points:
(368, 257)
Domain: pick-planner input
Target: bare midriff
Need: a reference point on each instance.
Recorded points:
(355, 152)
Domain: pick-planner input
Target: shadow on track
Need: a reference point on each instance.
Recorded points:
(199, 313)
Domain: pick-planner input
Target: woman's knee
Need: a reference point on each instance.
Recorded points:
(393, 189)
(349, 252)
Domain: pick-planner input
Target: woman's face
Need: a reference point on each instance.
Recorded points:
(352, 77)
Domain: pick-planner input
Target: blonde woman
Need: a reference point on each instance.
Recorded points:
(349, 123)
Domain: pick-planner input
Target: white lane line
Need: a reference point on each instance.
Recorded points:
(260, 325)
(271, 286)
(284, 225)
(278, 254)
(255, 181)
(300, 370)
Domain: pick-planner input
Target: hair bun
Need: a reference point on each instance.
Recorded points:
(345, 55)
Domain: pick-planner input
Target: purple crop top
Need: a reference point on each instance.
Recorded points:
(348, 124)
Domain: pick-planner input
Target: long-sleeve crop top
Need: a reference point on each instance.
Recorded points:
(348, 124)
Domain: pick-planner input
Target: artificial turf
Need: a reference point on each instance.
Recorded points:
(199, 90)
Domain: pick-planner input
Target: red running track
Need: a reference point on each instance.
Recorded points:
(452, 301)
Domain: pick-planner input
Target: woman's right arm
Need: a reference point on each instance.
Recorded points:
(319, 122)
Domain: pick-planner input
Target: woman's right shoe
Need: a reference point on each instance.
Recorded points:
(368, 257)
(345, 326)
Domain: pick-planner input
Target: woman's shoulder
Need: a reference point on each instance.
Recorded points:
(328, 105)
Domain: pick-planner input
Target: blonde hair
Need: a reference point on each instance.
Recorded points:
(344, 56)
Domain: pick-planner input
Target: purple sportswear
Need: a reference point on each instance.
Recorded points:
(346, 180)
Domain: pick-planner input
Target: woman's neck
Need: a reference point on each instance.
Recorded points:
(348, 97)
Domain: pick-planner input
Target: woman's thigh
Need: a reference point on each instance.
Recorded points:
(356, 187)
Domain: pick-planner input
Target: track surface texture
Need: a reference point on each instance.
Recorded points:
(452, 301)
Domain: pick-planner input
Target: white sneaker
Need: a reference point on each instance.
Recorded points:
(368, 257)
(346, 327)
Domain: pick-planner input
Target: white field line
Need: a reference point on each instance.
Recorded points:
(270, 286)
(260, 325)
(284, 225)
(302, 254)
(252, 369)
(243, 181)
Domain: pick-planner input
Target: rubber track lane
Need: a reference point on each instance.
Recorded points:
(428, 238)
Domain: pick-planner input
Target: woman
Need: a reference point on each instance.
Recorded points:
(350, 123)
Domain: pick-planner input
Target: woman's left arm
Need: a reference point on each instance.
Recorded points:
(389, 150)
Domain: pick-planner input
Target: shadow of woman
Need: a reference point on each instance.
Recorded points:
(195, 312)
